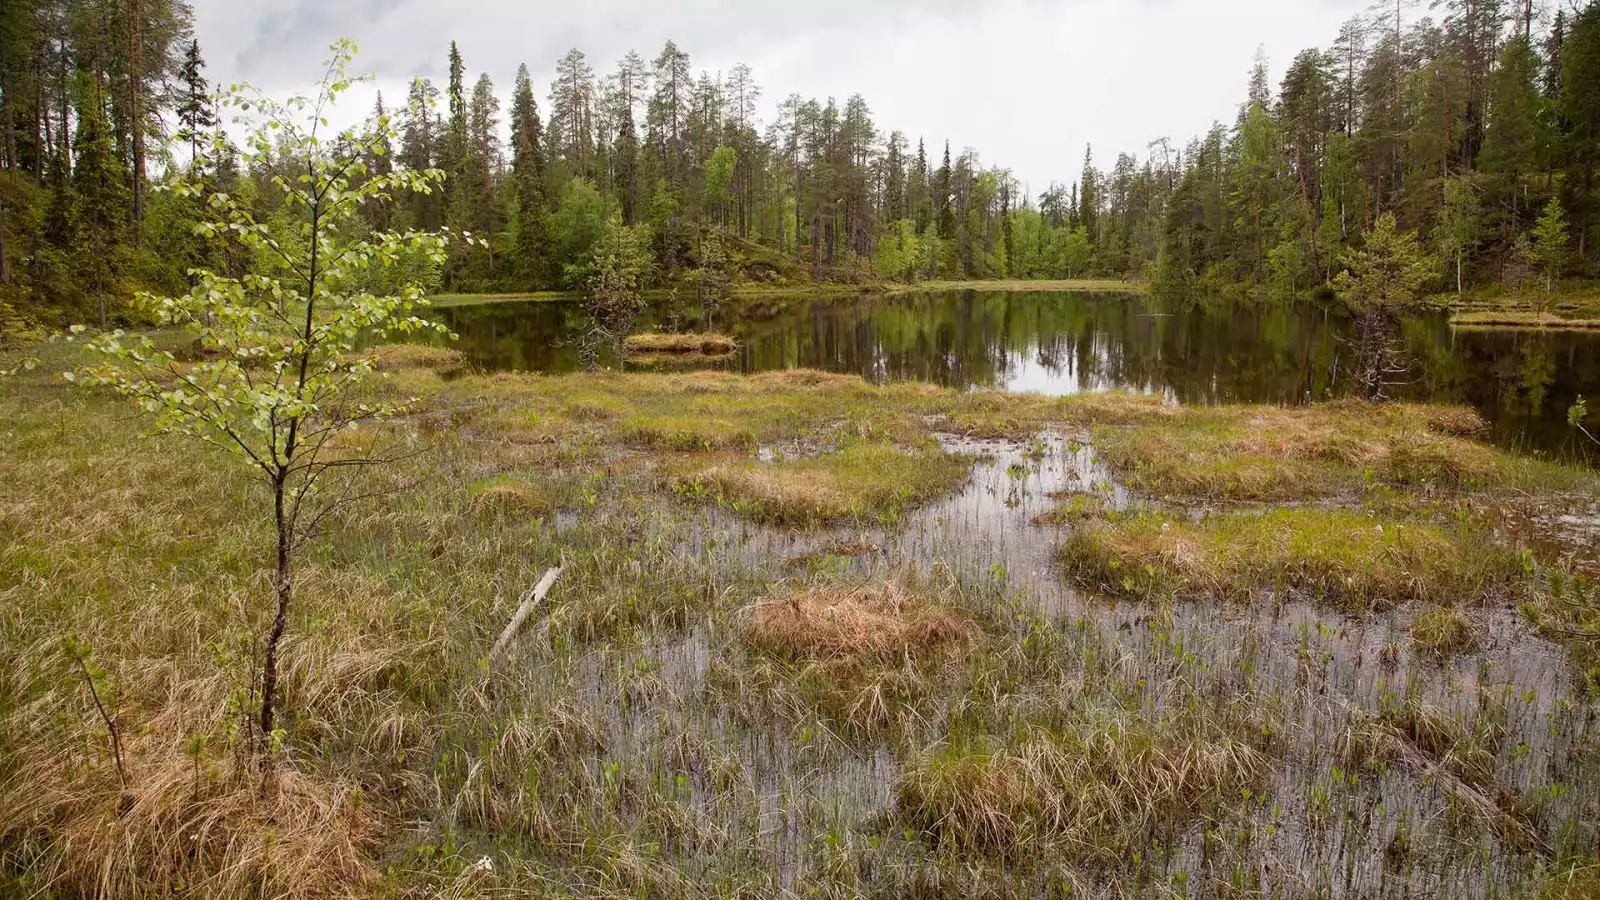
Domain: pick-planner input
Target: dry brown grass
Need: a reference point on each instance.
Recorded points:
(1117, 408)
(856, 623)
(870, 659)
(210, 822)
(506, 497)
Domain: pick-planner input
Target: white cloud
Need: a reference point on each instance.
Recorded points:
(1027, 83)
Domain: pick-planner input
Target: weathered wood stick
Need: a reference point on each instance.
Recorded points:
(529, 600)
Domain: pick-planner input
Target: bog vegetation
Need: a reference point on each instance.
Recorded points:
(323, 613)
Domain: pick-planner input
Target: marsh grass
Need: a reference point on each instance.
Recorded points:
(864, 657)
(685, 715)
(1442, 632)
(1347, 558)
(862, 479)
(1096, 790)
(1333, 449)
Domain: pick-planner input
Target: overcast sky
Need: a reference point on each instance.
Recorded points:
(1027, 83)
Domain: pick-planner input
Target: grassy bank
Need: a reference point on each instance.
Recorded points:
(1572, 305)
(1075, 284)
(789, 652)
(1520, 318)
(811, 289)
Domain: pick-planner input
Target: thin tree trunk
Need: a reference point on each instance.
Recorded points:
(11, 132)
(66, 129)
(5, 260)
(134, 121)
(285, 592)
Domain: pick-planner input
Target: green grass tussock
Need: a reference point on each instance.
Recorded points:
(1342, 557)
(1442, 632)
(863, 479)
(1279, 454)
(1095, 790)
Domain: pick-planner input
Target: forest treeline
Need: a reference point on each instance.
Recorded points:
(1475, 123)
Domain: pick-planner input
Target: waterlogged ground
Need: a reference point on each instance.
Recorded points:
(814, 638)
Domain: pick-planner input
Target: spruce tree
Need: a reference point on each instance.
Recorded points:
(100, 190)
(1580, 92)
(1088, 196)
(195, 115)
(941, 198)
(527, 175)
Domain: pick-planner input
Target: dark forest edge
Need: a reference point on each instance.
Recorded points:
(1478, 129)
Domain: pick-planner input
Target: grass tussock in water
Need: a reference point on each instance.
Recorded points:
(412, 357)
(863, 479)
(1095, 789)
(855, 624)
(1442, 632)
(707, 344)
(1276, 454)
(1342, 557)
(869, 659)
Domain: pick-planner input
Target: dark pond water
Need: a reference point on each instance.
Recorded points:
(1059, 343)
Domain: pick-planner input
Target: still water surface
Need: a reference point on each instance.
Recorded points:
(1060, 343)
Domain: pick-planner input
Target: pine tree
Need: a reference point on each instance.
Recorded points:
(1580, 93)
(894, 178)
(917, 189)
(669, 107)
(455, 142)
(630, 81)
(1552, 56)
(571, 113)
(420, 150)
(1088, 196)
